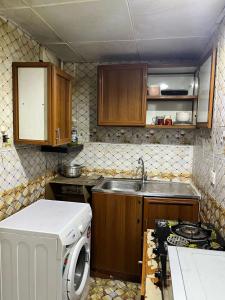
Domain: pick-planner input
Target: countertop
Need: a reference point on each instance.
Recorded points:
(149, 289)
(84, 180)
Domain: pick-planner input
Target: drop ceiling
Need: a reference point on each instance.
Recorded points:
(105, 30)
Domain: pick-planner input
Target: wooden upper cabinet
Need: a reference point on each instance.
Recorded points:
(41, 104)
(122, 94)
(206, 77)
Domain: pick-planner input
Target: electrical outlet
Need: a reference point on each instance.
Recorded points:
(222, 138)
(213, 177)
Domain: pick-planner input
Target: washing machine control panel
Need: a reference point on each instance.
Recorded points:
(72, 236)
(76, 229)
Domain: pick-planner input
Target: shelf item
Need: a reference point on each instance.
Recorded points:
(41, 104)
(172, 126)
(172, 83)
(177, 92)
(154, 90)
(172, 98)
(63, 149)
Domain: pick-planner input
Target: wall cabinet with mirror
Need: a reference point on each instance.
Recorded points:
(42, 104)
(206, 77)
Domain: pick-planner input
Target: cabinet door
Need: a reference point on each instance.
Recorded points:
(206, 75)
(169, 209)
(31, 100)
(122, 95)
(61, 107)
(116, 235)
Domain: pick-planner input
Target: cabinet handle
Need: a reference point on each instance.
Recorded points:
(140, 262)
(146, 223)
(57, 135)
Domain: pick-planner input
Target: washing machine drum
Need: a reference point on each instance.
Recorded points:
(78, 269)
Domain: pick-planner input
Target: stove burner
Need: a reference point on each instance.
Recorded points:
(190, 230)
(193, 232)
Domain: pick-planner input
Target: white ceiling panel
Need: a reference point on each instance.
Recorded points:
(174, 18)
(12, 3)
(32, 24)
(64, 52)
(172, 49)
(152, 7)
(118, 29)
(108, 51)
(52, 2)
(89, 21)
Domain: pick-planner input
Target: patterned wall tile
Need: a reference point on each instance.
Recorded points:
(12, 200)
(209, 149)
(21, 167)
(171, 161)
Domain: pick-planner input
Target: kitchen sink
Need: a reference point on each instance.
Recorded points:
(149, 188)
(122, 185)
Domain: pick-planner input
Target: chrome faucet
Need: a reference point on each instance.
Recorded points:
(143, 173)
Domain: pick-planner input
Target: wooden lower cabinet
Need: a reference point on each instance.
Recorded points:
(116, 236)
(170, 209)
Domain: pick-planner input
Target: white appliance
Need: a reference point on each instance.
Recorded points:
(197, 274)
(45, 252)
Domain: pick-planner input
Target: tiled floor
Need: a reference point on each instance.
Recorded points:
(108, 289)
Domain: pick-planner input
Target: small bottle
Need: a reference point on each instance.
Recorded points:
(74, 136)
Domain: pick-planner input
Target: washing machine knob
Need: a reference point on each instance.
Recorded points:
(81, 229)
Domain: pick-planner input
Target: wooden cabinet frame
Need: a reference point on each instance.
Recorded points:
(52, 72)
(55, 108)
(208, 124)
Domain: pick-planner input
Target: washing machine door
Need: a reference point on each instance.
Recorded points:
(78, 271)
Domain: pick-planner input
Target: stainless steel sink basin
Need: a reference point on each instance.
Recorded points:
(148, 189)
(121, 185)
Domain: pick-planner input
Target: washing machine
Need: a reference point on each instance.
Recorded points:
(45, 252)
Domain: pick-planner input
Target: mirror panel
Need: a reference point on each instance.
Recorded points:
(32, 104)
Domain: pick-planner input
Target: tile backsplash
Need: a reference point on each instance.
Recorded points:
(169, 162)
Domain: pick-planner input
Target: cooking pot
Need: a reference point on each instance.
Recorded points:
(71, 170)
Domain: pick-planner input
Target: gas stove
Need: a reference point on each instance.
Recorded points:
(186, 234)
(181, 234)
